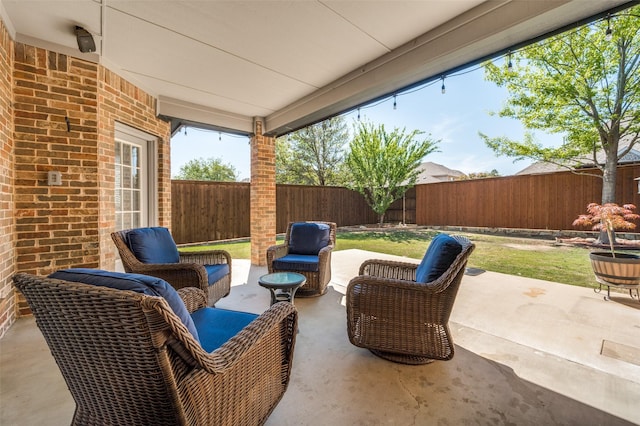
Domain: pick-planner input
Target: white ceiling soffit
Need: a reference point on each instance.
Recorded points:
(296, 62)
(50, 24)
(491, 27)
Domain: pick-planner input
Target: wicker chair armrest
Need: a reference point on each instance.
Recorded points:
(389, 269)
(276, 251)
(177, 274)
(193, 298)
(390, 285)
(325, 252)
(282, 316)
(168, 267)
(207, 257)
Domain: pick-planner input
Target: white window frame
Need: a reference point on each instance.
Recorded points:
(149, 169)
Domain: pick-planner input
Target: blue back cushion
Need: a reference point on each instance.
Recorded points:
(216, 326)
(441, 253)
(297, 262)
(153, 245)
(144, 284)
(308, 238)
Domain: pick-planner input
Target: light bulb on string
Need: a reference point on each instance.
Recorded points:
(443, 89)
(509, 63)
(395, 104)
(358, 114)
(219, 136)
(608, 34)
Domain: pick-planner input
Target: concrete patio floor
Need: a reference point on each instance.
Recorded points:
(528, 352)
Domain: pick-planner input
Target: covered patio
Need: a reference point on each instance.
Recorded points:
(528, 352)
(80, 85)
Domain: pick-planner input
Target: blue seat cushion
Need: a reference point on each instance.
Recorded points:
(297, 262)
(216, 272)
(441, 253)
(308, 237)
(216, 326)
(153, 245)
(144, 284)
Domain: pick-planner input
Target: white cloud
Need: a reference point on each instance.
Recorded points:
(445, 129)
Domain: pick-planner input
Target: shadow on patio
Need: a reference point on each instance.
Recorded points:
(527, 352)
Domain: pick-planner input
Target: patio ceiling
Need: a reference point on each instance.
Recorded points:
(219, 64)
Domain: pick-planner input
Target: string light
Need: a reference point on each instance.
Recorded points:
(219, 132)
(508, 55)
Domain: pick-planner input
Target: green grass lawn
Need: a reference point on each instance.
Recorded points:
(543, 259)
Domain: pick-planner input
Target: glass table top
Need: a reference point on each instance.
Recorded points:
(282, 278)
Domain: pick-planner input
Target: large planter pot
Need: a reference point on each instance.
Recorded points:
(622, 271)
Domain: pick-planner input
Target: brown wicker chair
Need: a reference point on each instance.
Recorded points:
(317, 280)
(129, 360)
(398, 319)
(189, 272)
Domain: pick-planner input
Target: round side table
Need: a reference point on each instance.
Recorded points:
(282, 285)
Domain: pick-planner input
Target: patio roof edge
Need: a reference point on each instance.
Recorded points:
(202, 116)
(484, 31)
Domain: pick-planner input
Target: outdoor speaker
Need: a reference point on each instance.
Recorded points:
(85, 40)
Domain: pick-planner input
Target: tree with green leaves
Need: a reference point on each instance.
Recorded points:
(384, 165)
(585, 84)
(313, 155)
(481, 175)
(210, 169)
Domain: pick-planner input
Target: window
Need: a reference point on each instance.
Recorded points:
(134, 176)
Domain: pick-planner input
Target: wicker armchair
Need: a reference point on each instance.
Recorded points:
(189, 271)
(402, 320)
(129, 360)
(317, 273)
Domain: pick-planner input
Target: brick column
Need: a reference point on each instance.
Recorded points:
(7, 153)
(263, 194)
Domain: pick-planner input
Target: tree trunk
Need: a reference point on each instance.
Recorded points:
(381, 220)
(603, 238)
(610, 145)
(609, 179)
(609, 186)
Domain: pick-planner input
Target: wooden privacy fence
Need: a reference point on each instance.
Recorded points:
(545, 201)
(210, 211)
(402, 210)
(327, 203)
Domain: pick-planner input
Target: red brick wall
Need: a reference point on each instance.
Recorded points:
(263, 195)
(119, 100)
(56, 226)
(67, 225)
(7, 234)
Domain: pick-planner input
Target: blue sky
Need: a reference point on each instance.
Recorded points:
(454, 118)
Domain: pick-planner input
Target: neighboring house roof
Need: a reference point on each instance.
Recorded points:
(632, 156)
(432, 173)
(539, 168)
